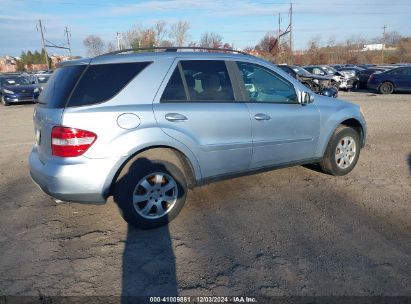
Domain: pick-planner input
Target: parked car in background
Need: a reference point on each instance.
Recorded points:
(394, 80)
(366, 65)
(352, 72)
(365, 74)
(146, 127)
(340, 80)
(317, 83)
(41, 80)
(17, 89)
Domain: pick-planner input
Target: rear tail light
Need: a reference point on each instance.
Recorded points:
(70, 142)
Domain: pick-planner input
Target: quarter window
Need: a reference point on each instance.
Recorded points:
(262, 85)
(174, 91)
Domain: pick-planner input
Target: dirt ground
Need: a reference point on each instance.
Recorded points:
(293, 231)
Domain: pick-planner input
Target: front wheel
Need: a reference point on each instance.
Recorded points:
(386, 88)
(150, 193)
(3, 101)
(342, 151)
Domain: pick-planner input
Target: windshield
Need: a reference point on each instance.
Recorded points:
(10, 81)
(301, 71)
(42, 79)
(329, 70)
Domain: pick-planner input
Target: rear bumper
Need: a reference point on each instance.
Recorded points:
(77, 179)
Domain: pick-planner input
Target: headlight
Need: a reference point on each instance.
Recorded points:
(8, 91)
(316, 81)
(36, 90)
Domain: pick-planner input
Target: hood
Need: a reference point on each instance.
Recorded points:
(21, 88)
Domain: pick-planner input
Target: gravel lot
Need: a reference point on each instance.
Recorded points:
(293, 231)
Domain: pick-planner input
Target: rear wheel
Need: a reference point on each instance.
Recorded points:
(386, 88)
(150, 193)
(342, 151)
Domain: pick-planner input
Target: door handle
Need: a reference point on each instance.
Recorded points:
(175, 117)
(261, 116)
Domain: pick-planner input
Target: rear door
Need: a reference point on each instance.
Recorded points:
(284, 131)
(196, 106)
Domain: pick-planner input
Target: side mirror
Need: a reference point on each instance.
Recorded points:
(306, 98)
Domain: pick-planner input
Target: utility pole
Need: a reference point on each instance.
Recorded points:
(383, 44)
(68, 35)
(291, 33)
(279, 31)
(119, 41)
(44, 45)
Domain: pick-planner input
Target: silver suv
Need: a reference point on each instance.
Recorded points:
(146, 127)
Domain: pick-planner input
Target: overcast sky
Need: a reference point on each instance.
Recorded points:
(241, 22)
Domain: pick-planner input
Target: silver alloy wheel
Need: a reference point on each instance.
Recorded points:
(345, 152)
(155, 195)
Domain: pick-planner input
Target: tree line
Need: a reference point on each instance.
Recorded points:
(160, 34)
(29, 58)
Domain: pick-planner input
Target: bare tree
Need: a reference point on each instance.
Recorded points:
(160, 29)
(211, 40)
(111, 47)
(392, 38)
(268, 44)
(94, 45)
(179, 32)
(139, 37)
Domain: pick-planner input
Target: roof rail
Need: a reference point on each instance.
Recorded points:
(174, 49)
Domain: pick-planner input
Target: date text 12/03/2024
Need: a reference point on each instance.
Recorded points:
(240, 299)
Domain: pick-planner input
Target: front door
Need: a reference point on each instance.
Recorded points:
(284, 131)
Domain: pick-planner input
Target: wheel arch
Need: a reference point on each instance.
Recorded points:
(352, 122)
(161, 152)
(385, 81)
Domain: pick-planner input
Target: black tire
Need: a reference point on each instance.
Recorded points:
(386, 88)
(308, 85)
(329, 164)
(3, 101)
(335, 84)
(126, 185)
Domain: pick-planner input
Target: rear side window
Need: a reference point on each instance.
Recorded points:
(204, 81)
(60, 85)
(101, 82)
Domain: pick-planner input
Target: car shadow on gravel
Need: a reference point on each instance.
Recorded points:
(149, 267)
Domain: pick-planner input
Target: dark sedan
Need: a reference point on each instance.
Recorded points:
(16, 89)
(390, 81)
(365, 74)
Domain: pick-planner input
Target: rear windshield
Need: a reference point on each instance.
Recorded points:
(60, 85)
(98, 83)
(101, 82)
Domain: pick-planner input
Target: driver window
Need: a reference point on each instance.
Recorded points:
(262, 85)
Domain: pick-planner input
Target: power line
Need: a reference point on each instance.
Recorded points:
(68, 35)
(44, 45)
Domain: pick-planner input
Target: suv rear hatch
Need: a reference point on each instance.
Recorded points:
(52, 101)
